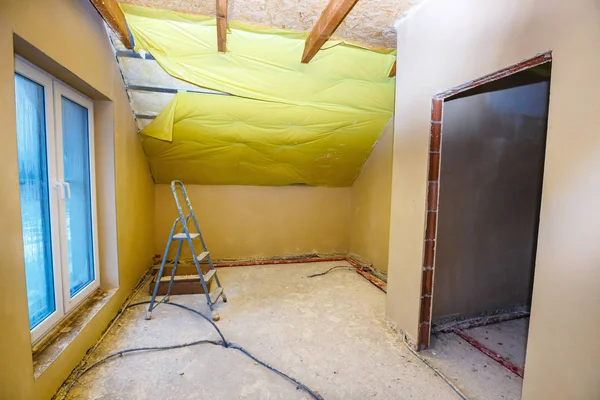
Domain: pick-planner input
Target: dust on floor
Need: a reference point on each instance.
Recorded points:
(328, 332)
(474, 372)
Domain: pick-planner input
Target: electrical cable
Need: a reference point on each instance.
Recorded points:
(222, 343)
(425, 361)
(68, 386)
(369, 269)
(140, 349)
(299, 385)
(331, 269)
(437, 371)
(225, 343)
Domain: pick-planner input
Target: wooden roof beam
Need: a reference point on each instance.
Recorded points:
(112, 14)
(222, 25)
(331, 17)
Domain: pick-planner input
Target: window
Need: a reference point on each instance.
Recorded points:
(55, 141)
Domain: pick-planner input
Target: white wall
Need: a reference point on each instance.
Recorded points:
(369, 225)
(449, 42)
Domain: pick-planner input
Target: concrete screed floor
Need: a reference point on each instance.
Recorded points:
(475, 373)
(328, 332)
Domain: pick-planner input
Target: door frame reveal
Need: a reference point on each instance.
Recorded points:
(433, 185)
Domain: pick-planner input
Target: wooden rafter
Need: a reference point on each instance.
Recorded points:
(112, 14)
(393, 71)
(222, 25)
(331, 17)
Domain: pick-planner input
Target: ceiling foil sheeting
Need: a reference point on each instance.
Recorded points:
(285, 123)
(248, 142)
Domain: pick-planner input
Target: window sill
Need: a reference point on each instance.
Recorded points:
(52, 345)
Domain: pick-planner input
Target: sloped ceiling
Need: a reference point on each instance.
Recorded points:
(371, 22)
(151, 89)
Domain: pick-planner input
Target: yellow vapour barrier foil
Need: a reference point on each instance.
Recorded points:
(293, 123)
(229, 140)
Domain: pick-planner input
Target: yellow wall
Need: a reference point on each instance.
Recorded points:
(449, 42)
(370, 208)
(72, 34)
(261, 221)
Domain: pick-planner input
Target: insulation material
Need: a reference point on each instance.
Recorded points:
(296, 123)
(228, 140)
(140, 72)
(370, 23)
(143, 122)
(263, 63)
(148, 103)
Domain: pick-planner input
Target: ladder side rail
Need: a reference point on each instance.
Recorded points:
(209, 258)
(191, 214)
(175, 262)
(174, 185)
(191, 211)
(179, 184)
(162, 267)
(199, 270)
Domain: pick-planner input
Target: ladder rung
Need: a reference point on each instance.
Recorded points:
(202, 256)
(208, 276)
(181, 236)
(180, 278)
(214, 296)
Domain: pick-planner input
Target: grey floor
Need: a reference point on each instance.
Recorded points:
(476, 374)
(328, 332)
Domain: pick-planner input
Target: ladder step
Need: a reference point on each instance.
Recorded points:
(181, 236)
(202, 256)
(180, 278)
(208, 276)
(214, 296)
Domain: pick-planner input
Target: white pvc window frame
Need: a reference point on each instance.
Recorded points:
(54, 90)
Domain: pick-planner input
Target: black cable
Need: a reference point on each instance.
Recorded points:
(138, 349)
(331, 269)
(299, 385)
(367, 268)
(223, 343)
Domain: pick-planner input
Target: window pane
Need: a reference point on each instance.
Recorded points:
(76, 160)
(35, 206)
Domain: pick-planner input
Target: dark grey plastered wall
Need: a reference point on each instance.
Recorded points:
(493, 144)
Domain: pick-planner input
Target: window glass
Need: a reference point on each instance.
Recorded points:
(35, 206)
(76, 161)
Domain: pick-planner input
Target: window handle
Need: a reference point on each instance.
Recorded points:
(68, 186)
(61, 188)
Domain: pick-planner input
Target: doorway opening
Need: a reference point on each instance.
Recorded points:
(486, 165)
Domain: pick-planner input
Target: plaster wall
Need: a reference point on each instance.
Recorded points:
(69, 33)
(490, 184)
(445, 43)
(370, 209)
(260, 221)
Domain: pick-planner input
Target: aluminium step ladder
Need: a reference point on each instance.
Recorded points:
(204, 256)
